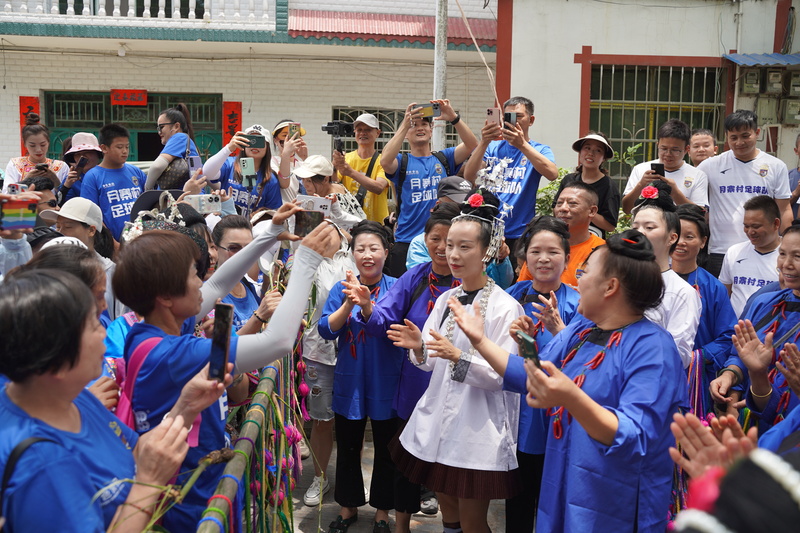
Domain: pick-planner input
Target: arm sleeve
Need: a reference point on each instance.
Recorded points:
(516, 379)
(156, 169)
(255, 351)
(725, 272)
(234, 269)
(63, 172)
(722, 320)
(14, 252)
(228, 208)
(684, 318)
(214, 164)
(391, 309)
(772, 439)
(89, 188)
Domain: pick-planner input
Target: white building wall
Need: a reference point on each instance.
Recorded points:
(472, 8)
(548, 33)
(303, 90)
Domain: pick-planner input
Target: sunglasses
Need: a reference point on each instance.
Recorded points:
(51, 203)
(160, 127)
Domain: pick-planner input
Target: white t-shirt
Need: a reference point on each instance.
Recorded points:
(731, 183)
(693, 183)
(678, 313)
(747, 270)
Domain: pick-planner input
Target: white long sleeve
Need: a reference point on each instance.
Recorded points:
(156, 169)
(214, 164)
(256, 351)
(233, 270)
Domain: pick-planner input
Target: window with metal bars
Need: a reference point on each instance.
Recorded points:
(388, 119)
(629, 103)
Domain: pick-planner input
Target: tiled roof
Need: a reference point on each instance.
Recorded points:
(386, 27)
(764, 60)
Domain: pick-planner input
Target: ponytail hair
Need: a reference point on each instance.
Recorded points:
(180, 115)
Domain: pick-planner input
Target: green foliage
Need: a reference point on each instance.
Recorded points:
(630, 156)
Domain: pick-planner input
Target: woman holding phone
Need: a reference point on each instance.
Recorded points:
(610, 382)
(171, 303)
(36, 138)
(250, 188)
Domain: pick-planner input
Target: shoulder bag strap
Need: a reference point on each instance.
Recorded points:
(137, 359)
(188, 147)
(13, 459)
(443, 160)
(362, 191)
(401, 177)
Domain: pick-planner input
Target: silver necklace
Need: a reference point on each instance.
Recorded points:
(451, 319)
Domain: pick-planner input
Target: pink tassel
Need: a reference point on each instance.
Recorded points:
(303, 389)
(304, 411)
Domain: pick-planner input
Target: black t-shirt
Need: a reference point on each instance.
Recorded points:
(607, 193)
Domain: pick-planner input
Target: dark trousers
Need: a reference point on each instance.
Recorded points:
(396, 264)
(406, 493)
(714, 264)
(521, 509)
(349, 490)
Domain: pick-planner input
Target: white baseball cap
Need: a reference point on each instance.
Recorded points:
(315, 165)
(78, 209)
(369, 120)
(64, 241)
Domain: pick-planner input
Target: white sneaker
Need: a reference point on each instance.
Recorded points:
(316, 491)
(305, 452)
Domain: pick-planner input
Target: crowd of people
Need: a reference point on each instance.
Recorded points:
(580, 371)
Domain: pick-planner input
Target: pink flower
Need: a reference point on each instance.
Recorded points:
(476, 200)
(650, 192)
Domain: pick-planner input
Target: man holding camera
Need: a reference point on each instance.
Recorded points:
(416, 175)
(360, 171)
(530, 161)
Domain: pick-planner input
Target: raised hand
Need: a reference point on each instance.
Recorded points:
(439, 346)
(756, 355)
(406, 335)
(523, 323)
(548, 313)
(471, 324)
(791, 366)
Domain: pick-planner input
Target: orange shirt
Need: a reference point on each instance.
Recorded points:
(577, 256)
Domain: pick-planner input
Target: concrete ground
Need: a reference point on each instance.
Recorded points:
(316, 519)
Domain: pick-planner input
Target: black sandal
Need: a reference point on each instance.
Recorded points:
(340, 525)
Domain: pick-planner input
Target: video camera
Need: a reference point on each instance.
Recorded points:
(338, 128)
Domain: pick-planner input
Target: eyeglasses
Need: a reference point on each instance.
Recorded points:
(232, 249)
(673, 151)
(579, 273)
(160, 127)
(51, 203)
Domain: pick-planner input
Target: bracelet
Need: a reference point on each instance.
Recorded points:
(761, 395)
(148, 512)
(255, 314)
(739, 377)
(455, 120)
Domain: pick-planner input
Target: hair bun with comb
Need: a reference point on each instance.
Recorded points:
(481, 203)
(631, 243)
(657, 194)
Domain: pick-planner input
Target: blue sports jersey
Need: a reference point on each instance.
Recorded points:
(418, 193)
(242, 307)
(114, 190)
(54, 483)
(521, 182)
(270, 197)
(167, 368)
(176, 146)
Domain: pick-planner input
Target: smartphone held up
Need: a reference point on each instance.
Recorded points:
(220, 342)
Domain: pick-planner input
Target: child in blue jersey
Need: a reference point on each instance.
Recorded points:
(86, 454)
(157, 277)
(224, 171)
(549, 306)
(114, 185)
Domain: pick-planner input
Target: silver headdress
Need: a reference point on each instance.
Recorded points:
(476, 200)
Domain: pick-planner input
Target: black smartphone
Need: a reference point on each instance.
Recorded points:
(658, 168)
(80, 165)
(220, 342)
(511, 118)
(528, 348)
(256, 141)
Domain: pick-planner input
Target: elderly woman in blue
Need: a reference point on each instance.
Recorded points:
(611, 382)
(364, 384)
(771, 322)
(545, 248)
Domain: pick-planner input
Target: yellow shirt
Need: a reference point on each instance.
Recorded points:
(375, 205)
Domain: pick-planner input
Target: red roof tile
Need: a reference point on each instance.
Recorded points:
(380, 26)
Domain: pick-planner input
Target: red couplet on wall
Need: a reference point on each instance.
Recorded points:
(231, 120)
(128, 97)
(27, 105)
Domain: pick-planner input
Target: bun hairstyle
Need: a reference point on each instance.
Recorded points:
(632, 261)
(537, 225)
(794, 228)
(481, 206)
(657, 196)
(697, 215)
(443, 214)
(373, 228)
(33, 126)
(180, 115)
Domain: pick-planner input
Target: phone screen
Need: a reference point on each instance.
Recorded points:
(511, 118)
(221, 341)
(528, 348)
(306, 221)
(658, 168)
(17, 214)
